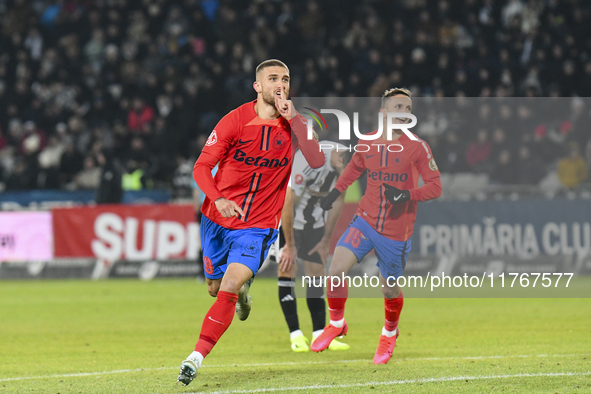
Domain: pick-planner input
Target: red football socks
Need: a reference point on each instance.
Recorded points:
(337, 297)
(393, 307)
(216, 321)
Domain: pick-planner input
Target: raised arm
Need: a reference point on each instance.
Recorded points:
(310, 148)
(299, 128)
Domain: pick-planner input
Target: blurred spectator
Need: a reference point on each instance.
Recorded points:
(70, 163)
(572, 169)
(34, 43)
(183, 182)
(504, 169)
(140, 116)
(453, 154)
(110, 190)
(529, 167)
(51, 155)
(3, 141)
(135, 177)
(90, 176)
(94, 49)
(22, 177)
(479, 151)
(512, 10)
(49, 162)
(80, 134)
(139, 153)
(32, 139)
(543, 146)
(139, 167)
(499, 142)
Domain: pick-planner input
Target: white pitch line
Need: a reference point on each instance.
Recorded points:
(80, 374)
(395, 382)
(397, 360)
(69, 375)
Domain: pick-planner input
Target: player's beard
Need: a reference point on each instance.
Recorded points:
(269, 98)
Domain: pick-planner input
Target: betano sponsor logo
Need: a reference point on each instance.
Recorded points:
(387, 176)
(259, 161)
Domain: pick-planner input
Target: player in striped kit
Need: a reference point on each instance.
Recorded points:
(312, 231)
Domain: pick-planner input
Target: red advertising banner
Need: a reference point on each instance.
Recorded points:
(130, 232)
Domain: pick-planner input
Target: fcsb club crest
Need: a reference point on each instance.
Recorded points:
(397, 161)
(213, 138)
(279, 141)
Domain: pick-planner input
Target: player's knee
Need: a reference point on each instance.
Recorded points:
(232, 285)
(391, 292)
(335, 270)
(213, 292)
(213, 288)
(314, 269)
(283, 274)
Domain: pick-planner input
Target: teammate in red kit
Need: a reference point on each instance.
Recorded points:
(254, 147)
(384, 219)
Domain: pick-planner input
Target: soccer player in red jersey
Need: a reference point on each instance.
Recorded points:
(384, 219)
(254, 147)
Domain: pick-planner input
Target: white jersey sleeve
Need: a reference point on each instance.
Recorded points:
(298, 178)
(309, 185)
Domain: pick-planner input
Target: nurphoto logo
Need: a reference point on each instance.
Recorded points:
(345, 127)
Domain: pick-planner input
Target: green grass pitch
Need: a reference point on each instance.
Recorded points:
(128, 336)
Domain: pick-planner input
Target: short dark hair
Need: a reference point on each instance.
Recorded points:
(394, 92)
(347, 156)
(271, 63)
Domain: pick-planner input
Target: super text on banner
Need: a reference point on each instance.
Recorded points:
(115, 232)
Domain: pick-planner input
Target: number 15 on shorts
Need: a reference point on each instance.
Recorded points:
(353, 237)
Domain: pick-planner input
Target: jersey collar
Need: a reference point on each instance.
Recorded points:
(256, 120)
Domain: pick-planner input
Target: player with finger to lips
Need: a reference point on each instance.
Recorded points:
(253, 146)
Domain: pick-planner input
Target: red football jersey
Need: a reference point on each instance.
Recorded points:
(398, 163)
(254, 156)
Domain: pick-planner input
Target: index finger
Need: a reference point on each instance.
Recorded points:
(314, 249)
(283, 262)
(285, 266)
(237, 208)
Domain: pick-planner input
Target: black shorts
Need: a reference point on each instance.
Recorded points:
(306, 240)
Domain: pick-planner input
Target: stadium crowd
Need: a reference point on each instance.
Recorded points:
(145, 81)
